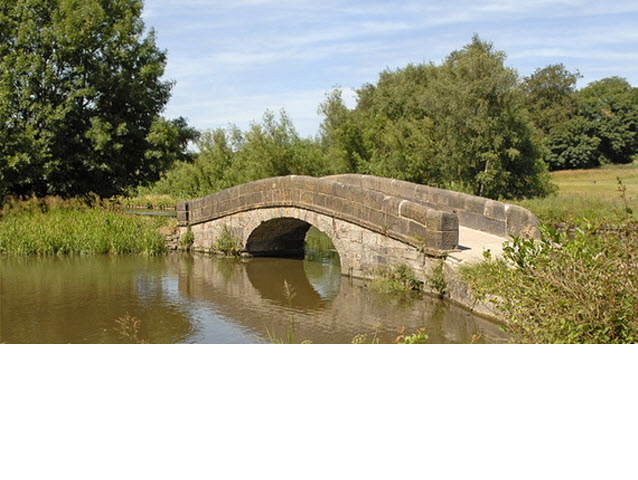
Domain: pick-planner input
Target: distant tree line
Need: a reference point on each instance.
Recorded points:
(81, 97)
(585, 128)
(469, 124)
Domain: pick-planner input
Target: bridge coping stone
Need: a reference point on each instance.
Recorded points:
(474, 212)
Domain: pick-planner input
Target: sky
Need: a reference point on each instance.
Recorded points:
(233, 60)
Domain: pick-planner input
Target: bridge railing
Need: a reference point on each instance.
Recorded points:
(474, 212)
(433, 230)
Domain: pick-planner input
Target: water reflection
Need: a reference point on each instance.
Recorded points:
(186, 298)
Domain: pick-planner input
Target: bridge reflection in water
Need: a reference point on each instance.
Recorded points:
(204, 299)
(326, 307)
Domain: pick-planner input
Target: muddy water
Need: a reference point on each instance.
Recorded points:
(185, 298)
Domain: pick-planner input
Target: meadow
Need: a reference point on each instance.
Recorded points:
(587, 196)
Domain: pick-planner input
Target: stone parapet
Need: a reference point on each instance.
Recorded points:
(432, 229)
(473, 212)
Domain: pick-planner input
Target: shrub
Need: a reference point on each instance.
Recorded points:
(581, 288)
(227, 243)
(436, 280)
(186, 240)
(397, 279)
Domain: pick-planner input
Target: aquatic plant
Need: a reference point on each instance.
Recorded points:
(399, 278)
(128, 328)
(362, 338)
(291, 335)
(418, 337)
(53, 226)
(227, 243)
(436, 280)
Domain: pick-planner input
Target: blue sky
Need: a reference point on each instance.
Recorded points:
(231, 60)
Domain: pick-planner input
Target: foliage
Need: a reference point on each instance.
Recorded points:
(186, 240)
(569, 289)
(549, 96)
(397, 279)
(227, 243)
(52, 226)
(611, 106)
(231, 157)
(418, 337)
(436, 280)
(484, 137)
(80, 98)
(603, 128)
(460, 125)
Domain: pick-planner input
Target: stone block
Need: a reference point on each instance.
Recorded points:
(257, 198)
(448, 240)
(482, 223)
(474, 204)
(494, 209)
(417, 230)
(521, 221)
(437, 220)
(378, 219)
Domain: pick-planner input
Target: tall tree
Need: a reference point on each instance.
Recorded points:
(549, 95)
(80, 89)
(611, 107)
(484, 139)
(603, 128)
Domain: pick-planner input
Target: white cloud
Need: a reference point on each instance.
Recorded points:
(234, 59)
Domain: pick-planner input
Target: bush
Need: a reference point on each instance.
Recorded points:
(567, 289)
(397, 279)
(436, 280)
(227, 243)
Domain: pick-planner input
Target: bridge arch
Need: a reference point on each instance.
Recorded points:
(367, 228)
(278, 237)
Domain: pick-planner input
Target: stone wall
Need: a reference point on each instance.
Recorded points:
(416, 224)
(361, 250)
(474, 212)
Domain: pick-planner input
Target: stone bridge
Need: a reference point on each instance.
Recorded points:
(371, 221)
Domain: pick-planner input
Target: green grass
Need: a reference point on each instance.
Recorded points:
(587, 196)
(149, 201)
(55, 227)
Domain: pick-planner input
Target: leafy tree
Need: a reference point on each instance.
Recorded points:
(273, 148)
(549, 95)
(460, 125)
(484, 139)
(231, 157)
(602, 130)
(80, 95)
(340, 134)
(611, 107)
(571, 144)
(168, 143)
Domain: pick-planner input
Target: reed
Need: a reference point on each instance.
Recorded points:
(52, 226)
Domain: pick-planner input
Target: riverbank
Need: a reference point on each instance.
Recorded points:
(52, 226)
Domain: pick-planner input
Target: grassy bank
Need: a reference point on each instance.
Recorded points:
(587, 196)
(51, 226)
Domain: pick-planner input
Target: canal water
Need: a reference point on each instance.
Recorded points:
(184, 298)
